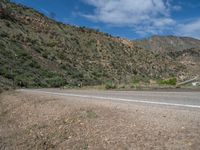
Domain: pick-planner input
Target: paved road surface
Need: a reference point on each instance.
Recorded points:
(173, 99)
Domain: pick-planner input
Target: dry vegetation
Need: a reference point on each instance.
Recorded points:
(32, 121)
(36, 51)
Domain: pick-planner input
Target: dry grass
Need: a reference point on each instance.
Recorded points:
(30, 121)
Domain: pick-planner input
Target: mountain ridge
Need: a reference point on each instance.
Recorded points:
(168, 43)
(36, 51)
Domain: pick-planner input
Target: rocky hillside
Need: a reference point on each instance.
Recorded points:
(36, 51)
(165, 44)
(185, 50)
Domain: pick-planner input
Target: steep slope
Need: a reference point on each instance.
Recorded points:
(190, 58)
(37, 51)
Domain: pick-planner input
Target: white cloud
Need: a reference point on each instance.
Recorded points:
(144, 16)
(177, 8)
(191, 29)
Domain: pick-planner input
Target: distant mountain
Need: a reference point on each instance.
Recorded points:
(36, 51)
(165, 44)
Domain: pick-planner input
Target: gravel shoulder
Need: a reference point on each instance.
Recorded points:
(42, 121)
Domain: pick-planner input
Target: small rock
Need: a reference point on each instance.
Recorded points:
(190, 144)
(66, 120)
(182, 128)
(60, 127)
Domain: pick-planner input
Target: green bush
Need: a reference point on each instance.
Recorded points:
(110, 85)
(56, 82)
(35, 65)
(22, 81)
(39, 50)
(171, 81)
(76, 74)
(136, 81)
(45, 55)
(51, 44)
(4, 34)
(7, 72)
(63, 66)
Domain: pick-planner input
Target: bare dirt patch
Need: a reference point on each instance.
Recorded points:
(32, 121)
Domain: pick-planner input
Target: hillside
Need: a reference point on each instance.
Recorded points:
(165, 44)
(185, 50)
(36, 51)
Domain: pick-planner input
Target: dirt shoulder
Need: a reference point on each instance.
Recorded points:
(32, 121)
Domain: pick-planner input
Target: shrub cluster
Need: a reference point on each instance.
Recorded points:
(171, 81)
(110, 85)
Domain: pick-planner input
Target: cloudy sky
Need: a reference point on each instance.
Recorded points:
(126, 18)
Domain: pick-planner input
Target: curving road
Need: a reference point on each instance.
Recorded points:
(187, 100)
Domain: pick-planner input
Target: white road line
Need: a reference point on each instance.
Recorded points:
(115, 99)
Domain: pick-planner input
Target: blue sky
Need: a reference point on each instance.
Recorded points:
(130, 19)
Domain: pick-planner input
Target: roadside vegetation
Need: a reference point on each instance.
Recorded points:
(171, 81)
(37, 52)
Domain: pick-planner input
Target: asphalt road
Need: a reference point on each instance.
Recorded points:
(188, 100)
